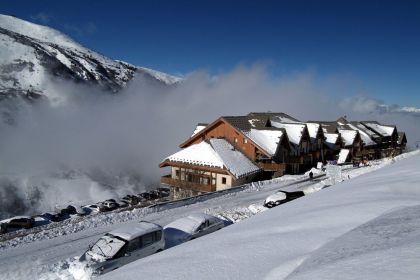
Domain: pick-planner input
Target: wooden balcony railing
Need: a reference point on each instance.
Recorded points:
(272, 166)
(167, 180)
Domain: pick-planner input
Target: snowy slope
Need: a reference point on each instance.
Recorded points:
(365, 228)
(31, 55)
(46, 254)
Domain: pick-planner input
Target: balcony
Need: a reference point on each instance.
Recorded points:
(268, 166)
(168, 180)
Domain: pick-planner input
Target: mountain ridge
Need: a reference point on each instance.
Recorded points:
(31, 55)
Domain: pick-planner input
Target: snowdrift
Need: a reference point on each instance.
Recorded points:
(364, 228)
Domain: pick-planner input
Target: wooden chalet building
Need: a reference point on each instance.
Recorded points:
(210, 165)
(275, 143)
(235, 150)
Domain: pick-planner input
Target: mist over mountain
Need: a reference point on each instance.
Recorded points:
(50, 86)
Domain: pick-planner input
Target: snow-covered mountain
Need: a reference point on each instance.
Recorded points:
(31, 55)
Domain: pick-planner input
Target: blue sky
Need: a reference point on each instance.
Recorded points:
(373, 46)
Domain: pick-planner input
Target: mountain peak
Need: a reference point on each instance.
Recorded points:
(32, 54)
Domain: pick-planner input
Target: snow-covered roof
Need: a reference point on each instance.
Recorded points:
(384, 130)
(235, 161)
(312, 129)
(216, 153)
(331, 139)
(266, 139)
(198, 154)
(198, 128)
(132, 231)
(365, 134)
(342, 156)
(348, 136)
(294, 131)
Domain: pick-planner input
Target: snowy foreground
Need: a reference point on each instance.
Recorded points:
(366, 228)
(363, 226)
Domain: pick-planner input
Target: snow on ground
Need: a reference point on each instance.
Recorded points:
(48, 253)
(365, 228)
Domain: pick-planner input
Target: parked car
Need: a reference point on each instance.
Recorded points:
(122, 203)
(164, 192)
(69, 210)
(82, 211)
(108, 205)
(124, 245)
(58, 217)
(131, 199)
(91, 208)
(16, 223)
(281, 197)
(190, 227)
(144, 196)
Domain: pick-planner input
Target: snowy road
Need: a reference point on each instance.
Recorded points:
(36, 255)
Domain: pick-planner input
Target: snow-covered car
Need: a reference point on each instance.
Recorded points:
(281, 197)
(16, 223)
(131, 199)
(108, 205)
(122, 246)
(91, 208)
(190, 227)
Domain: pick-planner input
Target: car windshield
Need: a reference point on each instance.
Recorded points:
(106, 247)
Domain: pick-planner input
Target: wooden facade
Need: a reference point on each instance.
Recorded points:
(188, 179)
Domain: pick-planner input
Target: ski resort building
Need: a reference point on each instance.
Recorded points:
(208, 166)
(234, 150)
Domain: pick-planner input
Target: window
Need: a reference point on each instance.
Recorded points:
(235, 139)
(224, 180)
(245, 140)
(177, 173)
(148, 239)
(134, 245)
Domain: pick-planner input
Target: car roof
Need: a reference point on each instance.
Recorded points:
(130, 232)
(14, 218)
(200, 217)
(190, 223)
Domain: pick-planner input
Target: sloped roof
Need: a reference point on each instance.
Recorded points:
(331, 139)
(199, 128)
(216, 153)
(256, 129)
(278, 117)
(383, 130)
(366, 135)
(313, 129)
(198, 154)
(343, 155)
(236, 162)
(401, 137)
(327, 126)
(266, 139)
(294, 130)
(348, 136)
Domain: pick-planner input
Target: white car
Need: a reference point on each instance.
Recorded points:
(281, 197)
(191, 227)
(123, 246)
